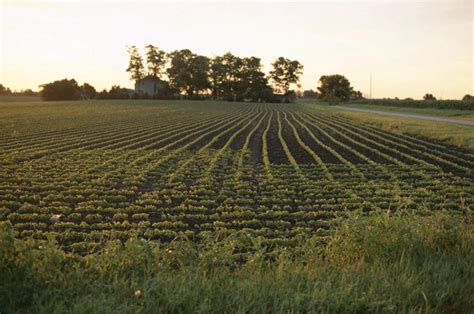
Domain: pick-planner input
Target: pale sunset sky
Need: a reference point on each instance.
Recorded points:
(410, 47)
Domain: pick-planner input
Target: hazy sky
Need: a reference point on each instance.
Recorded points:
(410, 47)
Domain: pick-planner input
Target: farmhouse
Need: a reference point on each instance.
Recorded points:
(150, 85)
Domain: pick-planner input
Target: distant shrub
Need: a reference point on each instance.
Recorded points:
(310, 94)
(116, 92)
(60, 90)
(65, 90)
(429, 97)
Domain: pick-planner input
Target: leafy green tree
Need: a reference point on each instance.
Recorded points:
(156, 61)
(178, 73)
(188, 72)
(135, 65)
(429, 97)
(232, 83)
(218, 71)
(252, 78)
(60, 90)
(286, 72)
(199, 69)
(334, 88)
(468, 97)
(236, 78)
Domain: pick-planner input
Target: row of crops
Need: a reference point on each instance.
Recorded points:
(282, 172)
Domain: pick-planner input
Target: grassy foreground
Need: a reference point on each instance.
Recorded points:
(401, 262)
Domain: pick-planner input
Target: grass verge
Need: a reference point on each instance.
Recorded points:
(402, 262)
(452, 113)
(459, 135)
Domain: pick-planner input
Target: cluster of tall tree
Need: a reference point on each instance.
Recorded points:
(226, 77)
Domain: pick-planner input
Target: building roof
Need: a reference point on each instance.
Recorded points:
(150, 78)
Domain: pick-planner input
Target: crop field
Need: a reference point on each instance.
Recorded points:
(84, 172)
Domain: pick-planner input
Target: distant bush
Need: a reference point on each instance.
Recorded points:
(66, 90)
(60, 90)
(433, 104)
(116, 92)
(310, 94)
(429, 97)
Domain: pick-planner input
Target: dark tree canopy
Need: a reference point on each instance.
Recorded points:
(286, 72)
(199, 72)
(429, 97)
(188, 72)
(4, 90)
(310, 94)
(254, 84)
(236, 78)
(468, 97)
(60, 90)
(66, 90)
(156, 61)
(225, 76)
(135, 65)
(179, 74)
(334, 87)
(115, 92)
(356, 95)
(88, 91)
(218, 74)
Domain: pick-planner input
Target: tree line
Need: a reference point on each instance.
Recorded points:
(6, 91)
(69, 89)
(227, 77)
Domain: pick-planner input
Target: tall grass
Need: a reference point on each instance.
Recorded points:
(403, 262)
